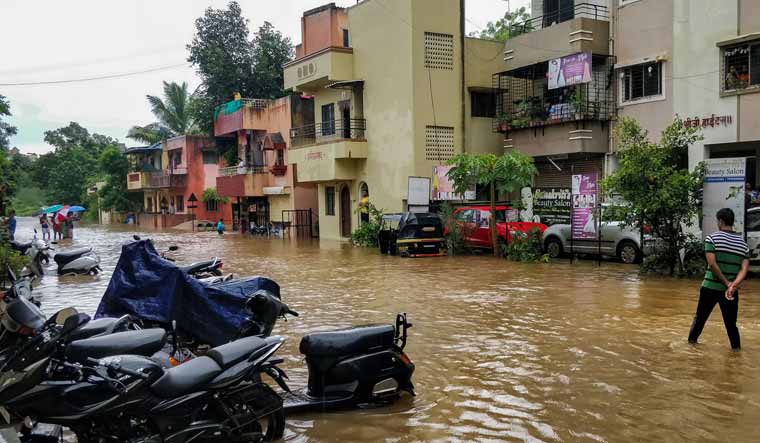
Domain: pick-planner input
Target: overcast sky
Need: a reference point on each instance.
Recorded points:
(59, 40)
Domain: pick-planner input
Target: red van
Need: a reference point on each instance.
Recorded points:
(477, 232)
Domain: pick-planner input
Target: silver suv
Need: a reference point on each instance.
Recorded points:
(616, 241)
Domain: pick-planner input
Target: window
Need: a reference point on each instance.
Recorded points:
(328, 119)
(180, 203)
(741, 66)
(212, 205)
(210, 158)
(330, 200)
(439, 143)
(466, 216)
(439, 51)
(280, 160)
(345, 39)
(483, 104)
(642, 81)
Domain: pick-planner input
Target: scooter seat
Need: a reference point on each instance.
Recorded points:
(96, 327)
(69, 256)
(233, 353)
(20, 247)
(186, 377)
(195, 267)
(350, 341)
(145, 342)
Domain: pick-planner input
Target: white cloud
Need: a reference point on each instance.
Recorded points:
(57, 40)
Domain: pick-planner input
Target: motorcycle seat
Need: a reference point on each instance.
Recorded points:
(69, 256)
(93, 328)
(145, 342)
(345, 342)
(20, 247)
(233, 353)
(195, 267)
(186, 377)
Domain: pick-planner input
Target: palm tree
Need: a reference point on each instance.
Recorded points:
(173, 114)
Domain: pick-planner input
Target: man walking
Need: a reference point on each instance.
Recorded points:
(727, 265)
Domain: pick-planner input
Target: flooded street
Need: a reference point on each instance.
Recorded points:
(504, 352)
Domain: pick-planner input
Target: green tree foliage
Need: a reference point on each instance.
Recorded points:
(114, 166)
(210, 194)
(6, 130)
(506, 174)
(662, 192)
(511, 25)
(7, 172)
(174, 114)
(366, 234)
(228, 60)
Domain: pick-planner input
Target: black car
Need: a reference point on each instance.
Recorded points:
(412, 235)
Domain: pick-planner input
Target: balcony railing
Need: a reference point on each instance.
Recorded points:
(523, 99)
(158, 179)
(328, 131)
(243, 170)
(178, 170)
(580, 10)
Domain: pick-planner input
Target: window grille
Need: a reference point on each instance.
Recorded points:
(439, 51)
(439, 143)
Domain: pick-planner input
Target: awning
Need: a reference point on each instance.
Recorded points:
(145, 149)
(739, 39)
(276, 190)
(274, 141)
(348, 84)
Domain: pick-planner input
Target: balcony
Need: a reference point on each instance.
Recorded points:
(238, 114)
(242, 181)
(279, 170)
(319, 69)
(329, 132)
(583, 27)
(138, 181)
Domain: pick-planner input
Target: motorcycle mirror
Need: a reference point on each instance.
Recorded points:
(173, 248)
(136, 237)
(74, 322)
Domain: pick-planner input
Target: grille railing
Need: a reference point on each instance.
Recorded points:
(242, 170)
(580, 10)
(344, 129)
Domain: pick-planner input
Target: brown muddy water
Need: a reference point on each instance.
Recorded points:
(509, 352)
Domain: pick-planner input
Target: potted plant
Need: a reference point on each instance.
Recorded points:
(579, 103)
(504, 120)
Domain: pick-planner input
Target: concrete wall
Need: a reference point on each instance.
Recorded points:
(482, 58)
(644, 32)
(561, 139)
(321, 28)
(749, 104)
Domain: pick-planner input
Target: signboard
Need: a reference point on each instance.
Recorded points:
(552, 205)
(709, 122)
(584, 199)
(443, 188)
(723, 188)
(418, 191)
(570, 70)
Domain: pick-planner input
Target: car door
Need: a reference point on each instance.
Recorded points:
(465, 219)
(482, 228)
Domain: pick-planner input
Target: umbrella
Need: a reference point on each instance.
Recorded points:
(77, 209)
(51, 209)
(62, 214)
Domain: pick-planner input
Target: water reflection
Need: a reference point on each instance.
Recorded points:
(504, 351)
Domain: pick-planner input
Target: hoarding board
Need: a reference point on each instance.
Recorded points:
(723, 188)
(418, 191)
(443, 187)
(552, 205)
(570, 70)
(584, 219)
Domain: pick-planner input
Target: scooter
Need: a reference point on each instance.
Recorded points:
(37, 251)
(130, 398)
(78, 261)
(353, 367)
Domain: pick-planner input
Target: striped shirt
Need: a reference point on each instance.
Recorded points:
(730, 250)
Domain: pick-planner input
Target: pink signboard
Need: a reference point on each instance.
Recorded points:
(443, 187)
(584, 217)
(571, 70)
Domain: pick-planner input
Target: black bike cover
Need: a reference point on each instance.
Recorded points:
(148, 287)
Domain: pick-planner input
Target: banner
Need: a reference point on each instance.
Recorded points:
(552, 205)
(443, 188)
(584, 215)
(418, 191)
(570, 70)
(723, 188)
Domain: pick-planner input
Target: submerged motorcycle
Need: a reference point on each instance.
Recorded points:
(352, 367)
(79, 261)
(123, 398)
(209, 271)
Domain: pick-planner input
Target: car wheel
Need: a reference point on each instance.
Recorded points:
(554, 247)
(628, 253)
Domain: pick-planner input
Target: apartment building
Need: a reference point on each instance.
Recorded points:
(168, 173)
(262, 188)
(397, 89)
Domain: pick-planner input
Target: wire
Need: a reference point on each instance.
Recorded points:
(100, 77)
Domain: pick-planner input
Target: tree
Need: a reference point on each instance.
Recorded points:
(652, 178)
(6, 130)
(228, 61)
(173, 113)
(506, 174)
(509, 26)
(7, 172)
(114, 195)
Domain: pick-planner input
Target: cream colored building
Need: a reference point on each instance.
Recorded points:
(393, 86)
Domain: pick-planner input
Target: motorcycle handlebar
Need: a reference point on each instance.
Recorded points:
(118, 368)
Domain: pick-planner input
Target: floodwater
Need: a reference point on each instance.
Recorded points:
(509, 352)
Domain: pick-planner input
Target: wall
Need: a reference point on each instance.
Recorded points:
(697, 26)
(321, 28)
(482, 58)
(555, 139)
(643, 32)
(749, 104)
(200, 177)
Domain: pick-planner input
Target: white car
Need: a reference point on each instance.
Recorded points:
(752, 227)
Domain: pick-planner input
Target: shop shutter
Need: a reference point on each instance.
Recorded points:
(548, 175)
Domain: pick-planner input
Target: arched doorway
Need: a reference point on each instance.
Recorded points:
(345, 212)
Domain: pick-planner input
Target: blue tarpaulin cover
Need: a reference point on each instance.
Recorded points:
(151, 288)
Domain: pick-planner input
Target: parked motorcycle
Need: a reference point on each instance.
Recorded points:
(363, 365)
(131, 398)
(78, 261)
(37, 251)
(205, 270)
(20, 315)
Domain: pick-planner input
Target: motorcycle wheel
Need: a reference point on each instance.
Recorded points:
(263, 403)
